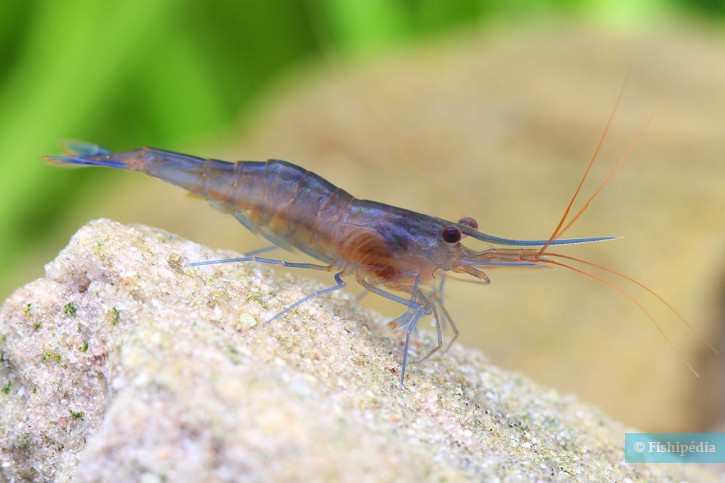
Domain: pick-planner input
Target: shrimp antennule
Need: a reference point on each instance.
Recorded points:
(557, 231)
(543, 257)
(632, 299)
(645, 287)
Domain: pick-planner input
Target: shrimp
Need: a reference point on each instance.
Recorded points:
(387, 249)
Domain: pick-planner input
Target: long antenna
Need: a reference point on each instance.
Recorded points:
(561, 228)
(635, 302)
(557, 232)
(645, 287)
(614, 169)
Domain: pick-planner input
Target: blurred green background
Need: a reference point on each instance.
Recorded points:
(194, 76)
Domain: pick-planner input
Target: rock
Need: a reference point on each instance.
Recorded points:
(126, 364)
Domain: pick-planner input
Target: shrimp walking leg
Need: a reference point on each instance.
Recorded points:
(408, 303)
(339, 285)
(410, 318)
(455, 330)
(338, 276)
(243, 258)
(437, 299)
(439, 333)
(270, 261)
(411, 328)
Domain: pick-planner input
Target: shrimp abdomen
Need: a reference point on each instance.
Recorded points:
(290, 206)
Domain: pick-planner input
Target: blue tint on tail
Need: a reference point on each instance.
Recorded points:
(85, 149)
(86, 154)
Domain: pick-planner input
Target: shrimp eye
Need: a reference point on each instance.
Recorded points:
(468, 221)
(451, 234)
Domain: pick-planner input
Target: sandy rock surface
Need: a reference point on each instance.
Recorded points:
(126, 364)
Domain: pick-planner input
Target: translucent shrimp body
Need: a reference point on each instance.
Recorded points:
(382, 246)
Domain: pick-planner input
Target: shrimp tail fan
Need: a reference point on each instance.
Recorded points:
(85, 154)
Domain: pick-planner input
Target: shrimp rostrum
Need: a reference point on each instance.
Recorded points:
(387, 249)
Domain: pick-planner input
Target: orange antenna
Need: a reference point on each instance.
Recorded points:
(634, 301)
(318, 28)
(563, 226)
(645, 287)
(614, 169)
(557, 232)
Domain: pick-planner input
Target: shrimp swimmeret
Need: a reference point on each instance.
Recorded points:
(386, 248)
